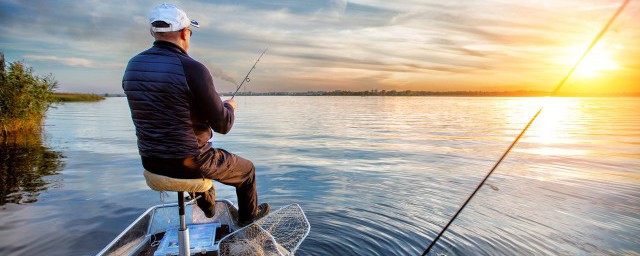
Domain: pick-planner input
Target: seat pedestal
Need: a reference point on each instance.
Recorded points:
(183, 232)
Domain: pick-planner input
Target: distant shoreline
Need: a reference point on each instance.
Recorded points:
(75, 97)
(419, 94)
(437, 94)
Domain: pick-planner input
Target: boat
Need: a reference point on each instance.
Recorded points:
(155, 232)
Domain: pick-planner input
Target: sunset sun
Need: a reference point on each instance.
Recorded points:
(598, 61)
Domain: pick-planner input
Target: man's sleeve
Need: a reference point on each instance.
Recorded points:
(219, 116)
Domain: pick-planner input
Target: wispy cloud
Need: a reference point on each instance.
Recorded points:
(72, 62)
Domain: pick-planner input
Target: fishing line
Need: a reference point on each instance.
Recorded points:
(562, 82)
(246, 78)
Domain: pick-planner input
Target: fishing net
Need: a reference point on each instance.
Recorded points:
(279, 233)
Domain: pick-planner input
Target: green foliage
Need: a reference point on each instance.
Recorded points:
(24, 97)
(75, 97)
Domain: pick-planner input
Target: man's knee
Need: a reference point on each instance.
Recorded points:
(250, 175)
(252, 171)
(253, 168)
(247, 167)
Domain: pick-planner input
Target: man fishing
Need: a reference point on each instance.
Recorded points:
(175, 109)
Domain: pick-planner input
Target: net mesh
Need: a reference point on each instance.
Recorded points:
(279, 233)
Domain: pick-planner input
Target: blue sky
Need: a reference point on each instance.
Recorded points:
(329, 45)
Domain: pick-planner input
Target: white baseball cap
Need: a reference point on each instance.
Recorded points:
(169, 13)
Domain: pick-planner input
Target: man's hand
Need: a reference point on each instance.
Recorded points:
(231, 102)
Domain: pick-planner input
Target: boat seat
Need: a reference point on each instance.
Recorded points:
(164, 183)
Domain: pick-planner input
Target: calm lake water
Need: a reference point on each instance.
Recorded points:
(375, 175)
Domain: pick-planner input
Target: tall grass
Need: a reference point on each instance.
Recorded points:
(24, 97)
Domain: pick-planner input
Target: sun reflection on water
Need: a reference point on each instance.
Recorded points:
(550, 131)
(564, 136)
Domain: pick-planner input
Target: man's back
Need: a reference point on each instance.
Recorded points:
(158, 95)
(172, 105)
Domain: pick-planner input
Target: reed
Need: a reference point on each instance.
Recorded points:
(24, 97)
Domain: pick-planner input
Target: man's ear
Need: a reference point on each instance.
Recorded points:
(183, 34)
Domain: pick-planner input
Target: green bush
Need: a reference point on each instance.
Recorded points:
(24, 97)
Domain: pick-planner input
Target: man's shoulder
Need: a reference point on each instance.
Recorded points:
(192, 66)
(142, 54)
(191, 62)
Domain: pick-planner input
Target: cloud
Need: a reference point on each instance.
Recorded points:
(72, 62)
(409, 42)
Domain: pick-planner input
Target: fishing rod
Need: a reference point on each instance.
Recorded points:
(246, 78)
(562, 82)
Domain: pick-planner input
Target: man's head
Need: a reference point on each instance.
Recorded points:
(168, 23)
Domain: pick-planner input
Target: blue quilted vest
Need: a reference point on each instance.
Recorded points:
(159, 99)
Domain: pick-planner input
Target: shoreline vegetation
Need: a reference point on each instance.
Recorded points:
(75, 97)
(520, 93)
(25, 98)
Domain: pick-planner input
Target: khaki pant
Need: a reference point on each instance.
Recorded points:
(233, 170)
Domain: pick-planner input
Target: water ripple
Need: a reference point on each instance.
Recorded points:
(375, 175)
